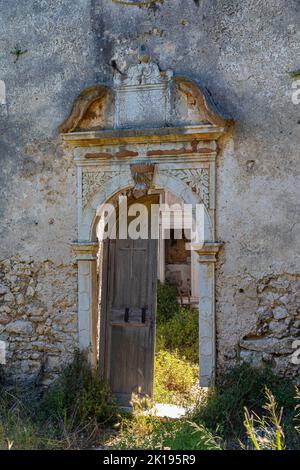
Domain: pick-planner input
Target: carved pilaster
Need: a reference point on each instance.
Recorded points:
(207, 324)
(86, 254)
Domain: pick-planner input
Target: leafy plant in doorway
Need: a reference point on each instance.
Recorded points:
(167, 304)
(180, 332)
(175, 378)
(176, 358)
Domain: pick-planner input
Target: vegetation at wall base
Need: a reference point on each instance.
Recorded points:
(78, 396)
(224, 417)
(242, 386)
(249, 408)
(242, 411)
(165, 434)
(144, 430)
(176, 357)
(71, 414)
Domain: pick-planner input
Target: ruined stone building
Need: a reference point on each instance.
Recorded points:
(192, 101)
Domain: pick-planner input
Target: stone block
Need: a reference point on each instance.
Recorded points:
(19, 327)
(280, 313)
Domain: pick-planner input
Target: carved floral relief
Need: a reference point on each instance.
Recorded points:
(197, 179)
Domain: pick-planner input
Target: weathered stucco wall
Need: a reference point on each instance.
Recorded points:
(241, 52)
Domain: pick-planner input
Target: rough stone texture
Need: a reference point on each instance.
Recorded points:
(241, 52)
(266, 312)
(277, 324)
(38, 316)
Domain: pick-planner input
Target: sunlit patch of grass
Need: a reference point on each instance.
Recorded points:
(175, 378)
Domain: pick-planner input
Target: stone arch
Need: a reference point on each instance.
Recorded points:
(90, 216)
(86, 228)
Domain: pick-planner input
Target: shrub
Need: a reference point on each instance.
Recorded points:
(180, 333)
(78, 396)
(19, 434)
(174, 378)
(240, 387)
(167, 304)
(167, 435)
(70, 414)
(17, 430)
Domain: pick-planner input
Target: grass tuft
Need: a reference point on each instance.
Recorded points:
(243, 387)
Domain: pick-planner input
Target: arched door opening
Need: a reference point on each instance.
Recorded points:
(128, 272)
(127, 309)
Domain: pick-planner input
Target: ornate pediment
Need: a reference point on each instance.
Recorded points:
(144, 73)
(91, 103)
(143, 97)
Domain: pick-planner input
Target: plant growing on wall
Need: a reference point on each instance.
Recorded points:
(295, 73)
(18, 52)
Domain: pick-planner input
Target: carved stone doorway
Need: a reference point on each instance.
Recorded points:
(153, 118)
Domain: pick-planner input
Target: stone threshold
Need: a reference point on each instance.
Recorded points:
(161, 410)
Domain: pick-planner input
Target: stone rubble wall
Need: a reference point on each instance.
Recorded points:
(38, 317)
(268, 330)
(277, 326)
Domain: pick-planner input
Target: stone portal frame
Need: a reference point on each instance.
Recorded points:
(99, 180)
(182, 149)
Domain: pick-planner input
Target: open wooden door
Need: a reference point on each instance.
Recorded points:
(129, 312)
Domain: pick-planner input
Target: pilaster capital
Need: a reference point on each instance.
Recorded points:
(207, 251)
(85, 251)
